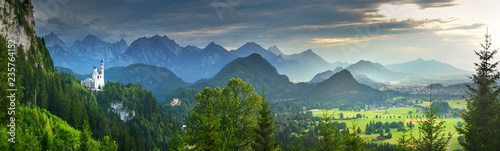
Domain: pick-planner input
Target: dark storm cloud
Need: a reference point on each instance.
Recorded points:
(215, 20)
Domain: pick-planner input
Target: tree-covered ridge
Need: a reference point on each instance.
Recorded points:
(159, 80)
(41, 130)
(62, 95)
(342, 88)
(149, 128)
(256, 70)
(39, 85)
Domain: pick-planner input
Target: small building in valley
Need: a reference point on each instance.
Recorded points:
(175, 102)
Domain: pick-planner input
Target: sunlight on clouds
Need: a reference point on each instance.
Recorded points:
(410, 49)
(208, 32)
(330, 42)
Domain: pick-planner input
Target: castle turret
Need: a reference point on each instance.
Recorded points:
(102, 66)
(101, 76)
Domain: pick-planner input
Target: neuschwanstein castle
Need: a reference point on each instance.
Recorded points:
(97, 80)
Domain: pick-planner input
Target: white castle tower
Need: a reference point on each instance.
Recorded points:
(97, 80)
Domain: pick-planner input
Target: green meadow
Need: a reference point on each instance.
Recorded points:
(396, 114)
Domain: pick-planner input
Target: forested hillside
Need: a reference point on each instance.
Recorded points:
(53, 111)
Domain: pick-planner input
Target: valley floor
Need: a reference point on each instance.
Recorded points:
(397, 114)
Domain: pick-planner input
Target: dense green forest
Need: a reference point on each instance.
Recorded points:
(38, 129)
(53, 111)
(62, 95)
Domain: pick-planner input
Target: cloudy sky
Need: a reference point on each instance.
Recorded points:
(385, 31)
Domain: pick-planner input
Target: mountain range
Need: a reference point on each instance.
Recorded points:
(256, 70)
(426, 67)
(83, 55)
(193, 64)
(190, 63)
(363, 79)
(260, 73)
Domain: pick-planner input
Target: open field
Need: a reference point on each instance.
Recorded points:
(395, 115)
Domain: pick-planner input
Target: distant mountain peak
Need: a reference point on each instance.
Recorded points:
(364, 61)
(158, 36)
(338, 69)
(309, 52)
(192, 48)
(212, 46)
(427, 67)
(52, 40)
(251, 45)
(275, 50)
(52, 34)
(90, 37)
(255, 56)
(344, 73)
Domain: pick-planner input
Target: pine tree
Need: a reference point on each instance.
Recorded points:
(298, 142)
(353, 141)
(178, 143)
(264, 138)
(330, 140)
(404, 141)
(431, 131)
(85, 137)
(481, 121)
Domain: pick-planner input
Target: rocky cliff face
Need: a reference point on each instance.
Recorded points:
(18, 28)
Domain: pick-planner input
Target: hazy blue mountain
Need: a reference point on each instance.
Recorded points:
(190, 63)
(426, 67)
(119, 47)
(275, 50)
(203, 63)
(342, 87)
(309, 63)
(374, 71)
(298, 67)
(52, 40)
(82, 56)
(251, 48)
(363, 79)
(95, 48)
(301, 66)
(340, 64)
(259, 72)
(156, 50)
(320, 77)
(57, 48)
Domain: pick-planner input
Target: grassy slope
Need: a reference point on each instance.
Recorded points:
(38, 129)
